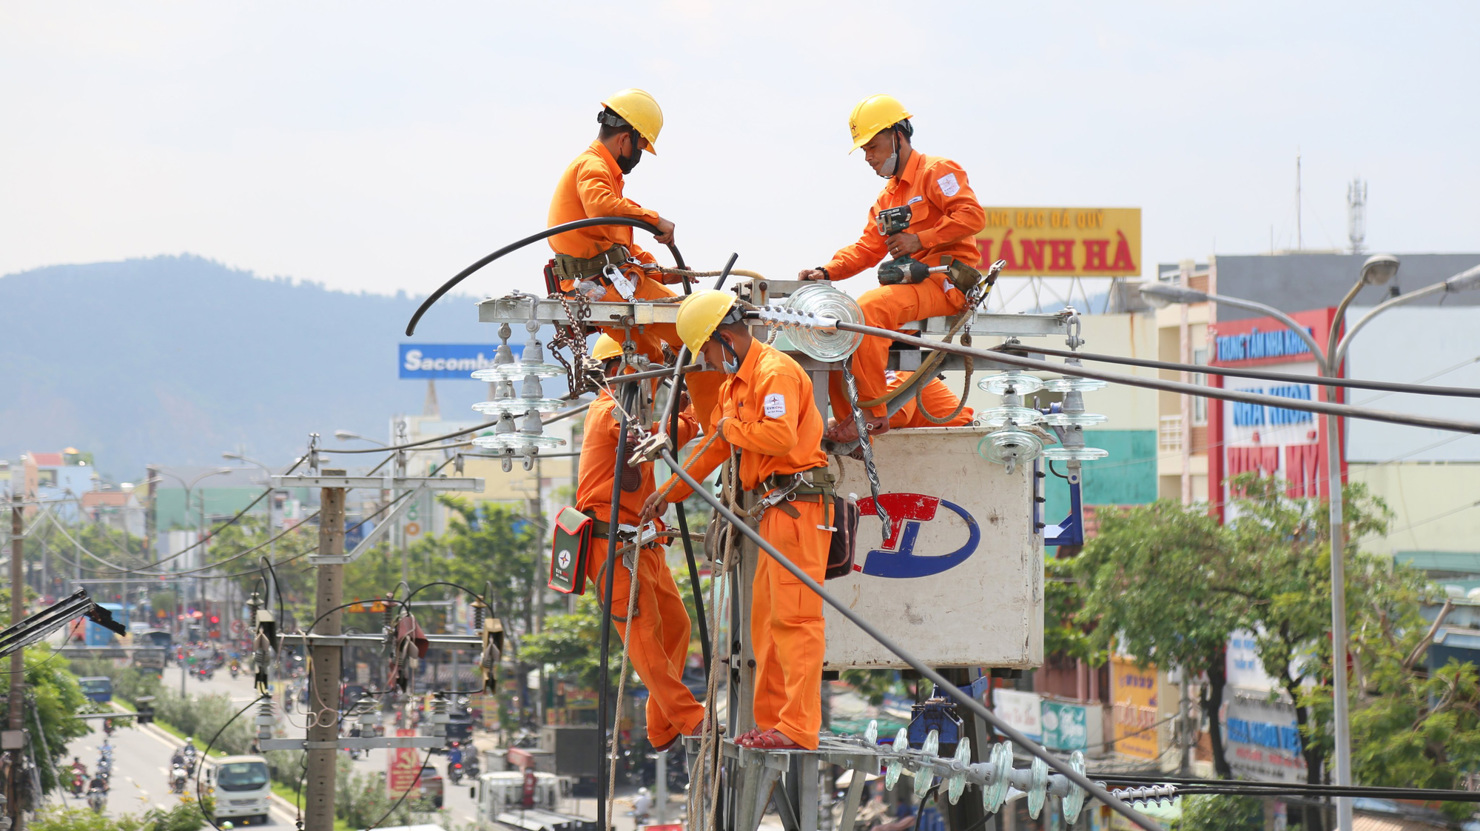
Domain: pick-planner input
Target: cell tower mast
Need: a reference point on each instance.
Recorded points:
(1356, 214)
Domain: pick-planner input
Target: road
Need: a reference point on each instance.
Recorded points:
(141, 765)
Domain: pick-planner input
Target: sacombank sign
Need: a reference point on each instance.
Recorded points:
(446, 360)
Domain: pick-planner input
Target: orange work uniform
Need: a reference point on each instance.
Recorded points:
(767, 412)
(938, 399)
(657, 638)
(591, 186)
(945, 215)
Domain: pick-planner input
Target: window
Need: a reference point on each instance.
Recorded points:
(242, 776)
(1199, 403)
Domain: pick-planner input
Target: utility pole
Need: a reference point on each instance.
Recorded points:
(17, 661)
(323, 731)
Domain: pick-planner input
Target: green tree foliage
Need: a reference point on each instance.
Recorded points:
(572, 644)
(1160, 582)
(1220, 813)
(52, 698)
(182, 817)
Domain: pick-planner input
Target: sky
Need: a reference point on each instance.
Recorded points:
(381, 147)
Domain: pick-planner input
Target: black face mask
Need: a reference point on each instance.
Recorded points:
(627, 163)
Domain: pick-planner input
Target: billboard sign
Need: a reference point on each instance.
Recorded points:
(446, 360)
(1020, 710)
(1262, 737)
(1063, 242)
(1067, 726)
(405, 766)
(1268, 440)
(1137, 713)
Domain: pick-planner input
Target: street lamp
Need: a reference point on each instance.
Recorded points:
(271, 537)
(1376, 271)
(345, 435)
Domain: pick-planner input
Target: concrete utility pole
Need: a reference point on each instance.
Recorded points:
(323, 731)
(17, 661)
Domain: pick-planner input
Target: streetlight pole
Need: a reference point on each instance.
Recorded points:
(1377, 270)
(271, 537)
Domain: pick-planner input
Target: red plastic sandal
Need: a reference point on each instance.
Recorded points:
(772, 739)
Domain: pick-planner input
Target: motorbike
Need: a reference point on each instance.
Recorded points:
(471, 766)
(455, 772)
(236, 669)
(77, 783)
(177, 779)
(108, 727)
(96, 799)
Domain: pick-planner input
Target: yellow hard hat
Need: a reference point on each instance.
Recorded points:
(640, 110)
(874, 113)
(605, 348)
(700, 314)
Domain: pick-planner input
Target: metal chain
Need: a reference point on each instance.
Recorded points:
(573, 337)
(865, 445)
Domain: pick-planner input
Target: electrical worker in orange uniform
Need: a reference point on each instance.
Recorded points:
(938, 399)
(944, 221)
(766, 411)
(598, 261)
(657, 638)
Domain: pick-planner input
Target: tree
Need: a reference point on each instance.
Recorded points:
(1220, 813)
(52, 699)
(1160, 582)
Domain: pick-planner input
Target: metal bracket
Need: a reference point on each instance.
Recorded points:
(436, 483)
(349, 640)
(357, 744)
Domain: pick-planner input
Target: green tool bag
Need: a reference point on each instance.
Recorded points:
(570, 547)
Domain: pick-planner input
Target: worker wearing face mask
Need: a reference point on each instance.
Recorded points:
(601, 262)
(944, 221)
(765, 412)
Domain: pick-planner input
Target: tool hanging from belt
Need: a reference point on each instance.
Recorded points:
(634, 538)
(592, 275)
(781, 489)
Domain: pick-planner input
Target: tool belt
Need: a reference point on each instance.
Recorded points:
(816, 485)
(566, 267)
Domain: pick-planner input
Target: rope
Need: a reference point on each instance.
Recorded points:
(934, 359)
(965, 391)
(709, 745)
(611, 779)
(684, 272)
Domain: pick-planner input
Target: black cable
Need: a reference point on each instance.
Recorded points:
(426, 760)
(205, 754)
(1197, 785)
(533, 238)
(695, 585)
(1385, 386)
(476, 596)
(1032, 365)
(606, 622)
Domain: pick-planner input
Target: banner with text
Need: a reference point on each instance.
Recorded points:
(1262, 737)
(1020, 710)
(1270, 441)
(446, 360)
(405, 766)
(1137, 717)
(1063, 242)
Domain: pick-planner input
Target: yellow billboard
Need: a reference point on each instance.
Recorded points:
(1063, 242)
(1137, 722)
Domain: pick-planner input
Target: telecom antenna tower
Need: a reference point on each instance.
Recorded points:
(1356, 214)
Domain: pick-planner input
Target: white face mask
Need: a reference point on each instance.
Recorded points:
(730, 367)
(886, 170)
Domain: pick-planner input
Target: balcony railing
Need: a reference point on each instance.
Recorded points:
(1171, 435)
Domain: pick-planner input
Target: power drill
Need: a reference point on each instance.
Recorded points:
(893, 221)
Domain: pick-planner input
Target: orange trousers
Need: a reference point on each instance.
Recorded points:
(786, 625)
(889, 307)
(657, 638)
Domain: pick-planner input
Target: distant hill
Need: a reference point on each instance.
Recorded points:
(176, 359)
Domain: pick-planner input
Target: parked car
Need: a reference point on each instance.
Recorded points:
(432, 785)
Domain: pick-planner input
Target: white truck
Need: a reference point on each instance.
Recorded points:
(242, 789)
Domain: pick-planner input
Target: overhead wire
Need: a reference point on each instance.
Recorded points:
(1239, 372)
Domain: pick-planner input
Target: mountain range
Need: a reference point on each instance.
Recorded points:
(175, 359)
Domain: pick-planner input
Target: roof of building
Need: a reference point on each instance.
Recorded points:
(93, 499)
(1293, 282)
(47, 459)
(1456, 562)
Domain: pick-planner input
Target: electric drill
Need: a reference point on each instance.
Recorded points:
(893, 221)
